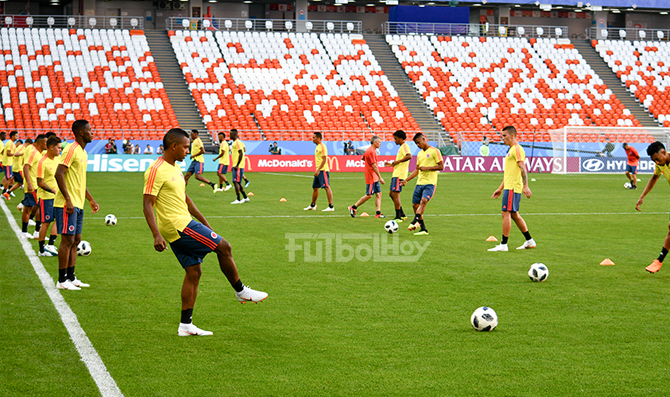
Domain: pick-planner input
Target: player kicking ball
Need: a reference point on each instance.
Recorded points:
(515, 181)
(662, 159)
(400, 170)
(191, 241)
(632, 162)
(428, 163)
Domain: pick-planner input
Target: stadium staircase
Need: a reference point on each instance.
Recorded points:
(389, 64)
(173, 81)
(613, 83)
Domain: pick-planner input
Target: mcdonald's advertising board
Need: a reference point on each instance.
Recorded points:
(252, 163)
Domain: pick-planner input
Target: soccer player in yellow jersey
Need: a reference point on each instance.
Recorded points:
(661, 157)
(69, 203)
(17, 167)
(3, 136)
(429, 163)
(46, 191)
(237, 151)
(515, 182)
(8, 162)
(31, 157)
(224, 162)
(321, 175)
(197, 166)
(400, 170)
(191, 241)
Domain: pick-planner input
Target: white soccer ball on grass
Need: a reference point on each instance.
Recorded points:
(391, 226)
(84, 248)
(484, 319)
(538, 272)
(110, 220)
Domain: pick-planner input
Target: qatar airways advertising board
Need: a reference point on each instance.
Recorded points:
(306, 163)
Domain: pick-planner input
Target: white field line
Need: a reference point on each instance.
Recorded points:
(89, 355)
(438, 215)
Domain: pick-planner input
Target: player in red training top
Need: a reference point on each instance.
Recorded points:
(631, 165)
(372, 179)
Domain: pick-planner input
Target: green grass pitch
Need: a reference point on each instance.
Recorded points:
(358, 328)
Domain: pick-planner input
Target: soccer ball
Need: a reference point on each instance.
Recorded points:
(110, 220)
(627, 185)
(84, 248)
(538, 272)
(484, 319)
(391, 226)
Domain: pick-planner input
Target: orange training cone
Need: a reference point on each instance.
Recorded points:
(250, 194)
(607, 262)
(491, 238)
(364, 214)
(282, 199)
(202, 185)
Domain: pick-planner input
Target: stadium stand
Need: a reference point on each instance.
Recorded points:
(641, 66)
(51, 77)
(282, 84)
(477, 85)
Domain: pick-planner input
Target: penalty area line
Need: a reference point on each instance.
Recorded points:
(442, 215)
(90, 357)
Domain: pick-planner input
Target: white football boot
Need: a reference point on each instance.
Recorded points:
(67, 285)
(500, 247)
(192, 330)
(528, 244)
(250, 295)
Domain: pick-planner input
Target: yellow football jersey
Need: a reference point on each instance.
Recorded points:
(166, 183)
(321, 154)
(400, 170)
(512, 175)
(428, 158)
(76, 160)
(46, 170)
(196, 147)
(238, 146)
(224, 151)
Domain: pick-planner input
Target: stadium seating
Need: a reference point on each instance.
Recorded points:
(51, 77)
(477, 86)
(644, 67)
(283, 83)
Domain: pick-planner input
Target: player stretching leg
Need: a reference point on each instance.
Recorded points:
(429, 163)
(321, 175)
(238, 167)
(631, 165)
(662, 159)
(224, 162)
(372, 179)
(400, 170)
(515, 181)
(47, 187)
(165, 190)
(197, 166)
(69, 204)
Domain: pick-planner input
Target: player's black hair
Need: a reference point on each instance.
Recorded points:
(40, 137)
(318, 135)
(50, 134)
(13, 133)
(28, 141)
(222, 133)
(510, 129)
(78, 126)
(18, 142)
(194, 131)
(3, 135)
(400, 134)
(233, 131)
(655, 148)
(173, 136)
(53, 140)
(625, 144)
(417, 136)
